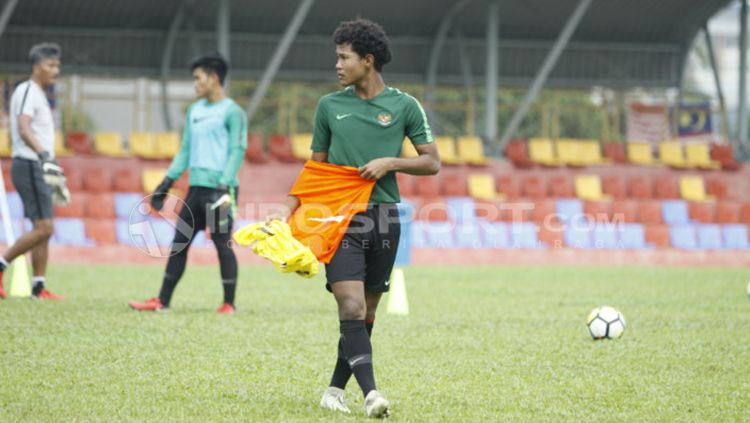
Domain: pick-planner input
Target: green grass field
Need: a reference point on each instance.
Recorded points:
(481, 344)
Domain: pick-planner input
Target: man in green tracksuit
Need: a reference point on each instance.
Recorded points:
(213, 147)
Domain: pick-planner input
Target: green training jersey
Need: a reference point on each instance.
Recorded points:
(354, 131)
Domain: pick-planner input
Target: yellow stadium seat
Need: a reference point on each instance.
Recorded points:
(482, 186)
(542, 151)
(447, 148)
(640, 153)
(567, 152)
(301, 144)
(5, 148)
(60, 149)
(671, 154)
(109, 144)
(590, 153)
(692, 188)
(408, 150)
(699, 155)
(143, 144)
(589, 187)
(167, 144)
(471, 150)
(152, 178)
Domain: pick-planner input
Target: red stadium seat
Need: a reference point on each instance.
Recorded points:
(649, 212)
(280, 147)
(101, 231)
(406, 184)
(515, 212)
(454, 185)
(624, 211)
(508, 185)
(600, 211)
(100, 206)
(717, 186)
(76, 208)
(97, 179)
(640, 187)
(73, 176)
(79, 142)
(614, 186)
(666, 187)
(127, 179)
(561, 186)
(658, 236)
(615, 152)
(428, 186)
(727, 212)
(7, 180)
(724, 154)
(254, 152)
(702, 212)
(433, 209)
(518, 153)
(534, 187)
(745, 213)
(553, 236)
(545, 210)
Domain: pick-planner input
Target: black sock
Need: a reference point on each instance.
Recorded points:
(229, 289)
(227, 264)
(167, 288)
(3, 264)
(342, 372)
(355, 343)
(37, 286)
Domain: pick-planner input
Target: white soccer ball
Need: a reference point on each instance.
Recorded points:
(605, 323)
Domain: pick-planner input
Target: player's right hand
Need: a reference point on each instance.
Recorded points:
(160, 193)
(51, 170)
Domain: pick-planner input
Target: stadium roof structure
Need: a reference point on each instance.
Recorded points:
(579, 43)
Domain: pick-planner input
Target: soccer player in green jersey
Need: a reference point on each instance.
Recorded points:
(213, 146)
(364, 126)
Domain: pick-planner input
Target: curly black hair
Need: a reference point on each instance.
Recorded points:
(366, 37)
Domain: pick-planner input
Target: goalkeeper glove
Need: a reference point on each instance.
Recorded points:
(51, 170)
(220, 197)
(160, 193)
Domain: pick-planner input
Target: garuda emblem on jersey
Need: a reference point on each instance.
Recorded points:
(385, 118)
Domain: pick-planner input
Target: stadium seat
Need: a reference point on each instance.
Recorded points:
(301, 146)
(495, 234)
(417, 235)
(467, 235)
(717, 186)
(482, 186)
(408, 150)
(462, 209)
(167, 144)
(542, 151)
(675, 212)
(143, 145)
(428, 186)
(255, 152)
(614, 152)
(640, 187)
(524, 235)
(15, 227)
(590, 153)
(109, 144)
(568, 152)
(406, 184)
(533, 187)
(561, 186)
(515, 212)
(589, 187)
(76, 208)
(471, 150)
(447, 148)
(650, 212)
(579, 237)
(79, 142)
(666, 186)
(151, 178)
(507, 185)
(598, 211)
(518, 153)
(60, 149)
(702, 212)
(683, 237)
(7, 179)
(73, 176)
(672, 154)
(632, 236)
(127, 179)
(454, 185)
(727, 212)
(735, 237)
(439, 234)
(163, 231)
(709, 237)
(613, 186)
(658, 236)
(125, 202)
(97, 179)
(692, 188)
(434, 209)
(122, 232)
(745, 213)
(698, 155)
(551, 236)
(724, 154)
(605, 236)
(100, 206)
(101, 231)
(71, 231)
(5, 148)
(280, 147)
(545, 210)
(640, 153)
(570, 211)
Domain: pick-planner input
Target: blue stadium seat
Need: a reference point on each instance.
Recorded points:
(467, 235)
(524, 235)
(16, 227)
(633, 236)
(675, 212)
(124, 203)
(495, 234)
(462, 209)
(406, 211)
(15, 205)
(417, 233)
(71, 231)
(735, 237)
(439, 234)
(683, 236)
(163, 231)
(569, 209)
(578, 236)
(709, 237)
(604, 236)
(202, 240)
(123, 232)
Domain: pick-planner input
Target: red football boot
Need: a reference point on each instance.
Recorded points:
(226, 308)
(3, 295)
(152, 304)
(46, 295)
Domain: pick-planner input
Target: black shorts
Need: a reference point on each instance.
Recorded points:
(35, 194)
(368, 250)
(198, 213)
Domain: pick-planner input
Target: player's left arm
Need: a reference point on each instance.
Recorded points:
(418, 130)
(236, 122)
